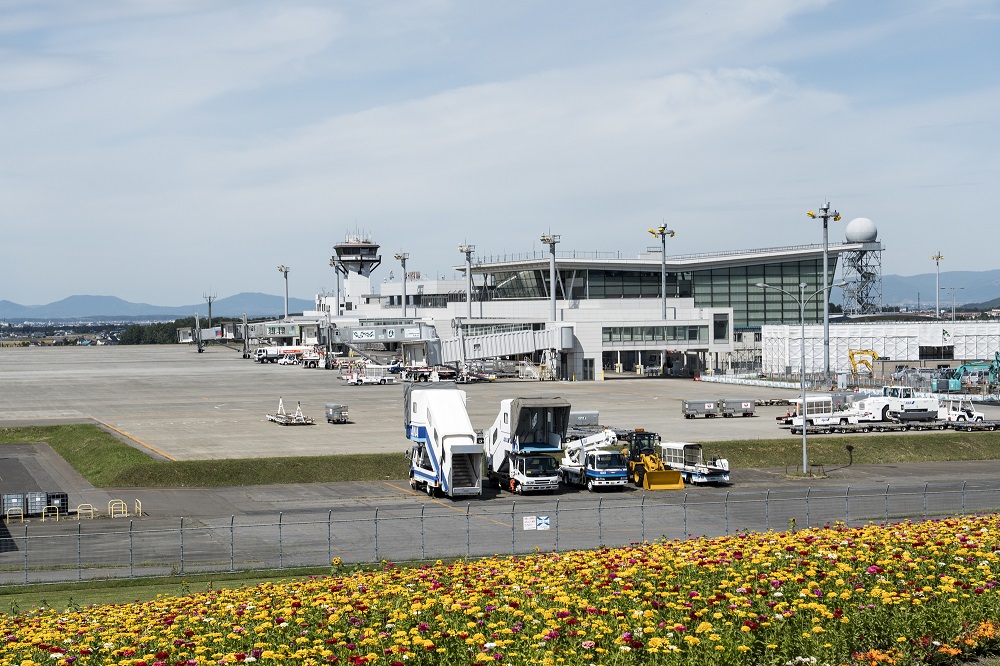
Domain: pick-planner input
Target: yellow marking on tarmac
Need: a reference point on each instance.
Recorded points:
(409, 491)
(139, 442)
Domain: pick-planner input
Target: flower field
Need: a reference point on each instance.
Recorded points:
(903, 594)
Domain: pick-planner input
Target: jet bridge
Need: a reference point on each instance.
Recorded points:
(510, 343)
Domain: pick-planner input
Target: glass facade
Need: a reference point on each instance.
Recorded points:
(733, 286)
(614, 335)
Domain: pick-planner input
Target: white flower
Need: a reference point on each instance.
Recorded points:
(624, 648)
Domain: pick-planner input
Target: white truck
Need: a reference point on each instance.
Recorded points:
(372, 374)
(523, 442)
(900, 403)
(446, 457)
(588, 462)
(689, 460)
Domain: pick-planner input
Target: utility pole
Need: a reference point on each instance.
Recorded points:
(209, 298)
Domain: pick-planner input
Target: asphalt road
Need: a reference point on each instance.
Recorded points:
(178, 404)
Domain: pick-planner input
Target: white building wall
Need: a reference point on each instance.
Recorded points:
(894, 341)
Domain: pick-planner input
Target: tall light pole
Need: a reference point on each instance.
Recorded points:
(937, 283)
(826, 215)
(468, 250)
(802, 300)
(952, 290)
(402, 257)
(551, 239)
(284, 271)
(662, 233)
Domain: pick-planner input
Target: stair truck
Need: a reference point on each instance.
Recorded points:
(446, 457)
(645, 467)
(689, 460)
(588, 462)
(523, 442)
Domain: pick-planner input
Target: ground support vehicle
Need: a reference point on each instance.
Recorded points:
(900, 401)
(730, 407)
(973, 426)
(689, 460)
(372, 374)
(446, 456)
(311, 359)
(523, 442)
(694, 408)
(645, 467)
(289, 359)
(588, 462)
(959, 411)
(336, 413)
(281, 417)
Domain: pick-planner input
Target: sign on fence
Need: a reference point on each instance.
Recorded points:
(536, 522)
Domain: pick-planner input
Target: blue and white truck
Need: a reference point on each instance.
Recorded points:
(590, 462)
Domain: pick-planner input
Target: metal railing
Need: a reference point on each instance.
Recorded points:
(150, 546)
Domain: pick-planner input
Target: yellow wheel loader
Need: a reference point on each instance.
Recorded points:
(645, 468)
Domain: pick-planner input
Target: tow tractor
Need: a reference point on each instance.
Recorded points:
(588, 462)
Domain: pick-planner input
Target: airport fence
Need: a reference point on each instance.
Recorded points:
(67, 550)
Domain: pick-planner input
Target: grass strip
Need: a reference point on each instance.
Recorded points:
(106, 462)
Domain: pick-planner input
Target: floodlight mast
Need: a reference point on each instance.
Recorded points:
(551, 240)
(662, 233)
(284, 271)
(826, 215)
(801, 301)
(937, 283)
(402, 257)
(469, 250)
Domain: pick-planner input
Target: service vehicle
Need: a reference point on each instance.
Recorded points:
(446, 457)
(730, 407)
(523, 442)
(589, 462)
(694, 408)
(281, 417)
(959, 410)
(902, 402)
(372, 374)
(689, 460)
(645, 467)
(336, 412)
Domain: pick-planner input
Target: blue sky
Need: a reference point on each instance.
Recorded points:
(158, 150)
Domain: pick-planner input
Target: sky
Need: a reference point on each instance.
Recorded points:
(159, 151)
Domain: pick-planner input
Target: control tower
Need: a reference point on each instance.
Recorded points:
(357, 256)
(863, 269)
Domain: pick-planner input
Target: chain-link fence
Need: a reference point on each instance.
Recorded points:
(150, 546)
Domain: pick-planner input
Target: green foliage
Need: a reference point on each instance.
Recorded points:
(107, 462)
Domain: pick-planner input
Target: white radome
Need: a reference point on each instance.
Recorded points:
(861, 230)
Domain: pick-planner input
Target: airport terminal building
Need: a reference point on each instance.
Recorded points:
(609, 311)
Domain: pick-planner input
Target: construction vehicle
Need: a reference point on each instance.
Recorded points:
(523, 442)
(446, 457)
(692, 408)
(645, 467)
(689, 460)
(979, 376)
(281, 417)
(588, 462)
(857, 358)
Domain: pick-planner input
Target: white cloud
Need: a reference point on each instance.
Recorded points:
(176, 145)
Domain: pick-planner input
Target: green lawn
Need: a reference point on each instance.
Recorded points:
(106, 462)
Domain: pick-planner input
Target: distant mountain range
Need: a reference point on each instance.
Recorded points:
(112, 308)
(971, 287)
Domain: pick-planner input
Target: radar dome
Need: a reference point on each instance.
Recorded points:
(861, 230)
